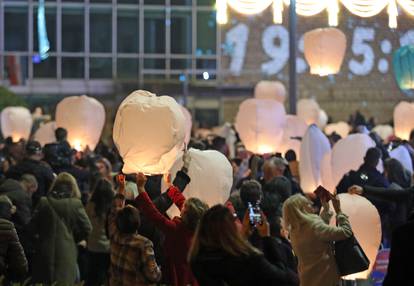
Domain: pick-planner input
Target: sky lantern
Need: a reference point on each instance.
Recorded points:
(325, 50)
(149, 132)
(384, 131)
(403, 119)
(260, 124)
(341, 128)
(295, 129)
(270, 90)
(366, 225)
(401, 154)
(323, 119)
(84, 118)
(348, 154)
(403, 60)
(45, 134)
(211, 177)
(16, 122)
(188, 124)
(308, 109)
(326, 173)
(313, 147)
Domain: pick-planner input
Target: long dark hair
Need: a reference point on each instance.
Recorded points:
(102, 197)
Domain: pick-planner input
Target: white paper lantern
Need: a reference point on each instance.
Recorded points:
(404, 119)
(313, 147)
(295, 127)
(326, 172)
(341, 128)
(188, 124)
(323, 119)
(270, 90)
(348, 154)
(16, 122)
(325, 50)
(84, 118)
(149, 132)
(260, 124)
(308, 110)
(401, 154)
(211, 177)
(46, 133)
(384, 131)
(366, 225)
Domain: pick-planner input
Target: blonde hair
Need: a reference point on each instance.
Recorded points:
(194, 210)
(68, 180)
(296, 212)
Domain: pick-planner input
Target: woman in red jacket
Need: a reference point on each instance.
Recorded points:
(178, 231)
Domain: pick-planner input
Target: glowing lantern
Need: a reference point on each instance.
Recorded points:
(326, 172)
(16, 122)
(348, 154)
(149, 132)
(260, 124)
(313, 147)
(84, 118)
(295, 129)
(309, 111)
(366, 225)
(401, 154)
(188, 124)
(325, 50)
(204, 166)
(270, 90)
(403, 120)
(341, 128)
(403, 60)
(323, 119)
(46, 133)
(384, 131)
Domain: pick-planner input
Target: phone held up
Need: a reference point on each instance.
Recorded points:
(255, 216)
(323, 194)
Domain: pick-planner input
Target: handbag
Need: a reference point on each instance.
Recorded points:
(350, 257)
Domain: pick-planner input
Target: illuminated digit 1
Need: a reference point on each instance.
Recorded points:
(360, 47)
(278, 53)
(237, 37)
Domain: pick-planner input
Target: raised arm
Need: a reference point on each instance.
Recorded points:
(176, 196)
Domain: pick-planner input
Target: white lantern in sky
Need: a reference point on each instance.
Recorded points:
(211, 177)
(384, 131)
(308, 109)
(46, 133)
(188, 124)
(366, 226)
(295, 129)
(270, 90)
(323, 119)
(348, 154)
(404, 119)
(341, 128)
(84, 118)
(326, 173)
(16, 122)
(325, 50)
(401, 154)
(313, 147)
(260, 124)
(149, 132)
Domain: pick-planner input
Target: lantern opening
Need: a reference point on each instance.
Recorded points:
(77, 144)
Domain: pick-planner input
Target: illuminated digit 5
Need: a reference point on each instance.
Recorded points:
(360, 47)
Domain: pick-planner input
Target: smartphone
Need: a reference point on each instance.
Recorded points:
(323, 194)
(255, 216)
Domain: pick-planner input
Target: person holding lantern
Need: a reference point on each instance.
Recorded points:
(178, 231)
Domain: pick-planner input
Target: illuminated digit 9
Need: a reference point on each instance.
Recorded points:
(360, 47)
(278, 53)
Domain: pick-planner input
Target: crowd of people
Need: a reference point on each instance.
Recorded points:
(69, 216)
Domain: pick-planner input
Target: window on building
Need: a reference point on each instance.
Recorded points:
(181, 32)
(180, 64)
(154, 2)
(100, 30)
(45, 68)
(73, 30)
(128, 31)
(206, 2)
(128, 68)
(100, 68)
(15, 29)
(50, 14)
(15, 69)
(182, 2)
(154, 31)
(206, 33)
(73, 68)
(154, 63)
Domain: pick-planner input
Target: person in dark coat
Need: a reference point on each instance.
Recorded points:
(60, 223)
(34, 165)
(178, 231)
(402, 252)
(220, 255)
(13, 263)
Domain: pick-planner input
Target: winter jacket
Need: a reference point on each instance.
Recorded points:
(59, 225)
(178, 239)
(313, 245)
(13, 263)
(216, 267)
(132, 258)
